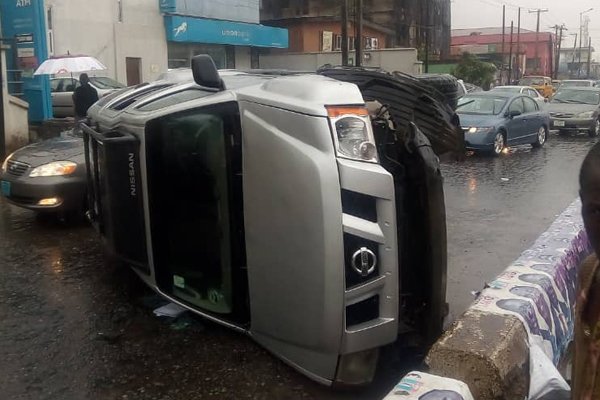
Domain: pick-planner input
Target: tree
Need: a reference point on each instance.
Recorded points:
(473, 70)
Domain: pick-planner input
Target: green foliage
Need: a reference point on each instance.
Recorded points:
(471, 69)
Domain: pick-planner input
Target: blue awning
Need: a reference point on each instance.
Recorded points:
(199, 30)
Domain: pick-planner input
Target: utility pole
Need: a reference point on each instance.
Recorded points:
(427, 36)
(518, 53)
(358, 40)
(503, 41)
(345, 33)
(559, 32)
(589, 63)
(512, 28)
(554, 52)
(539, 11)
(581, 38)
(574, 50)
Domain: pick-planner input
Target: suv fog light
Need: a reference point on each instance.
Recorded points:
(51, 201)
(357, 368)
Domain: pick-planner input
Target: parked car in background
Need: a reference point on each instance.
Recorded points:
(62, 92)
(48, 176)
(542, 84)
(577, 83)
(526, 90)
(492, 120)
(576, 109)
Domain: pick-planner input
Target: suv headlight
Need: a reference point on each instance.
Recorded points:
(353, 133)
(587, 114)
(5, 163)
(56, 168)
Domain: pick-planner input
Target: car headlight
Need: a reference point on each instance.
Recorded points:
(353, 133)
(56, 168)
(475, 129)
(587, 114)
(5, 163)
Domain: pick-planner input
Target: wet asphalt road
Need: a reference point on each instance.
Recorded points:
(74, 326)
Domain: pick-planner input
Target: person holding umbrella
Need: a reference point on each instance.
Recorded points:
(83, 98)
(85, 95)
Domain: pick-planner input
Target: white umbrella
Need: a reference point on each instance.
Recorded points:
(69, 64)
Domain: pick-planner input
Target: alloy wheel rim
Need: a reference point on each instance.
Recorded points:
(542, 135)
(499, 143)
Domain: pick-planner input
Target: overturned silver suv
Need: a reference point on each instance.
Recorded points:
(296, 208)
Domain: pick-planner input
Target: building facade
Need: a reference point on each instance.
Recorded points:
(575, 62)
(528, 53)
(136, 40)
(314, 24)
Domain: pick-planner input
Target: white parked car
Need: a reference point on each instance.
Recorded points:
(62, 92)
(526, 90)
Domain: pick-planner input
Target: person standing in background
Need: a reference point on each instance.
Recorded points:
(83, 98)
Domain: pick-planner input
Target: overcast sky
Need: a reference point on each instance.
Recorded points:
(487, 13)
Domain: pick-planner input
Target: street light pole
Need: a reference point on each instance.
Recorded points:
(581, 38)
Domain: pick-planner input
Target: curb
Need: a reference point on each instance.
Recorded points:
(529, 306)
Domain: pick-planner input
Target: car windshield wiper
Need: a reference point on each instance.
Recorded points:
(558, 101)
(465, 104)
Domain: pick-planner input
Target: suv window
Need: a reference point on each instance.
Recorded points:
(517, 105)
(199, 153)
(530, 105)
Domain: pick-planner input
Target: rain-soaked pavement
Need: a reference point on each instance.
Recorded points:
(73, 326)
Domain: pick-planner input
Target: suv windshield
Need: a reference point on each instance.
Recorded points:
(487, 105)
(575, 96)
(532, 81)
(102, 82)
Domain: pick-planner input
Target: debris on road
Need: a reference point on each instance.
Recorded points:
(171, 310)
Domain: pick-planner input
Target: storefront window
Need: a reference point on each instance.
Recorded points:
(180, 54)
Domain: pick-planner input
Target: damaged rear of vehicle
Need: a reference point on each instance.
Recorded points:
(277, 206)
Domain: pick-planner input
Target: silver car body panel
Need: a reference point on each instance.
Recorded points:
(294, 223)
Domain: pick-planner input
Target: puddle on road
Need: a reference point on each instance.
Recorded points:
(74, 326)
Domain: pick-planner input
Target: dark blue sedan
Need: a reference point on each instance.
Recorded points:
(493, 121)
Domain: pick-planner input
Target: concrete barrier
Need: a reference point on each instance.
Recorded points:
(508, 343)
(530, 304)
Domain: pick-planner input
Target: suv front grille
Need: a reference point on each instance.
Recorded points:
(16, 168)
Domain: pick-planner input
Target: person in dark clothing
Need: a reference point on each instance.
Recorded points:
(83, 97)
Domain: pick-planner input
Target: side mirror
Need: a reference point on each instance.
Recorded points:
(205, 72)
(513, 113)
